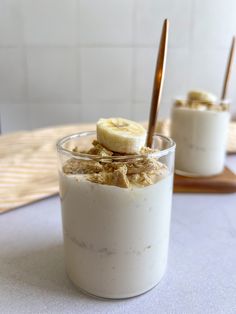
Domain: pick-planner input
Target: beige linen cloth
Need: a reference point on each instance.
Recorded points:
(28, 162)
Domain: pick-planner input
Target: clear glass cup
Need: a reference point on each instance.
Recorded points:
(201, 137)
(115, 239)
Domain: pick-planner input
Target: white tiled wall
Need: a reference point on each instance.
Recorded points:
(106, 22)
(52, 75)
(49, 22)
(67, 61)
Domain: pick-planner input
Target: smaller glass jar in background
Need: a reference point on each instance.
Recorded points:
(200, 133)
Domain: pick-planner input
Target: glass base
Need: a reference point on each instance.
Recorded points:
(195, 175)
(113, 298)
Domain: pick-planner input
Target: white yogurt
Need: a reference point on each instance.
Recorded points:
(116, 239)
(200, 137)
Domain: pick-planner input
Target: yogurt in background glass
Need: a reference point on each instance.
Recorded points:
(115, 239)
(200, 132)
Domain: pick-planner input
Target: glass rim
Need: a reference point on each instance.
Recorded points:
(204, 111)
(65, 139)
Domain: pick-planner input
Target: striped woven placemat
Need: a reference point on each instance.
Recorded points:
(28, 162)
(28, 165)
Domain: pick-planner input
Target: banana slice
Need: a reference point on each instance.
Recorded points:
(201, 96)
(179, 102)
(121, 135)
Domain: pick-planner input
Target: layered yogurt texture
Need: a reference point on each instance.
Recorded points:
(199, 126)
(116, 217)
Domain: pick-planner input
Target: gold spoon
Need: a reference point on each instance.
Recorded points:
(228, 69)
(158, 82)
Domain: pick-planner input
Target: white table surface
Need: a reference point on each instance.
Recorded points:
(201, 275)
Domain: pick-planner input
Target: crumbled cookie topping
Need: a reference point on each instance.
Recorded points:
(141, 171)
(97, 149)
(81, 166)
(193, 104)
(147, 150)
(118, 177)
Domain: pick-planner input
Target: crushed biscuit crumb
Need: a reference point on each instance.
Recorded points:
(81, 166)
(141, 171)
(202, 105)
(99, 150)
(148, 150)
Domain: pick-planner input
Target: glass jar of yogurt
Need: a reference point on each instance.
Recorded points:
(116, 214)
(199, 127)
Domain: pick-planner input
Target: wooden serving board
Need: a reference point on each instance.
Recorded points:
(223, 183)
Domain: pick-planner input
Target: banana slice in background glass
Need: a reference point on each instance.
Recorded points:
(201, 96)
